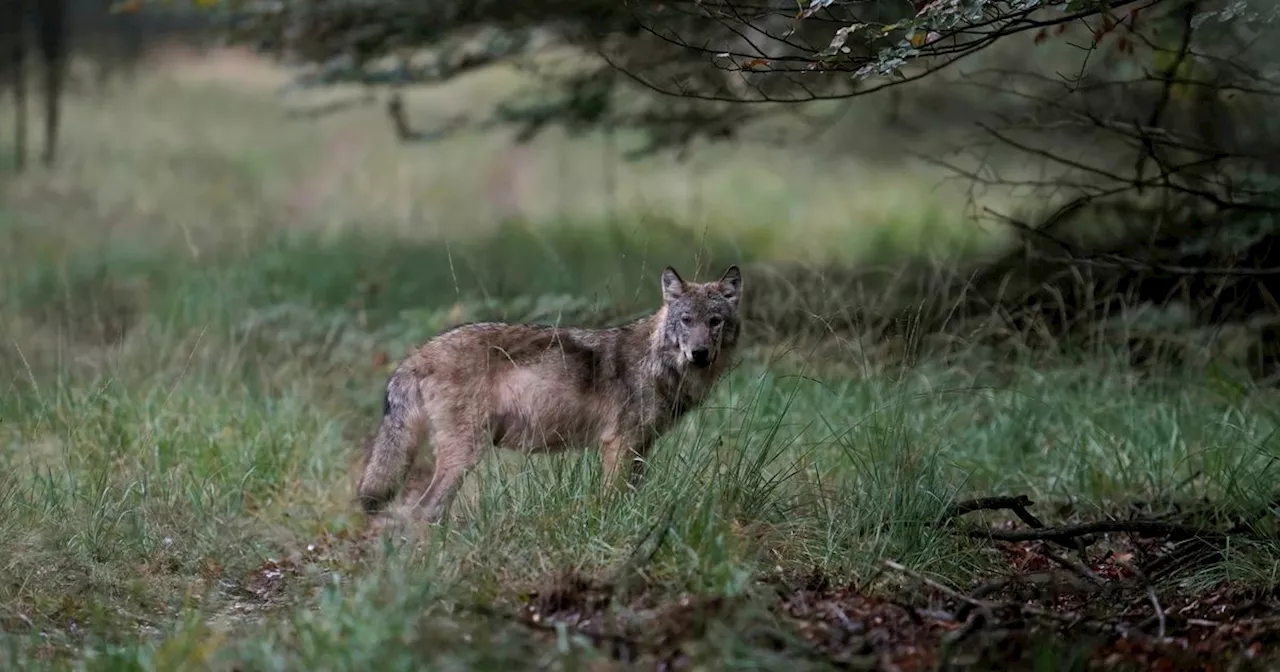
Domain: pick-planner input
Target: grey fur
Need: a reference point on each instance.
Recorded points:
(538, 388)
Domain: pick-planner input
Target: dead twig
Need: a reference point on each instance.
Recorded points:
(1155, 604)
(972, 624)
(1069, 533)
(953, 640)
(1040, 579)
(983, 607)
(1017, 504)
(1152, 597)
(1146, 528)
(1072, 565)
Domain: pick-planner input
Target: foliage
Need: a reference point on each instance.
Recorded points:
(865, 39)
(1159, 61)
(196, 332)
(181, 496)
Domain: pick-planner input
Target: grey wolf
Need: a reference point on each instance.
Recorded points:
(536, 388)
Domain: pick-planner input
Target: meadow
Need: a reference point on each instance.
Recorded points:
(202, 301)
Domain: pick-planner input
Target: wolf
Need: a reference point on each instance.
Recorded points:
(538, 389)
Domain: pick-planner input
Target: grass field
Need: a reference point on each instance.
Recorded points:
(201, 305)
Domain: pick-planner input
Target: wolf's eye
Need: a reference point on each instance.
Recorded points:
(686, 320)
(715, 321)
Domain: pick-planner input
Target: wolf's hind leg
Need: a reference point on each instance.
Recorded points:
(457, 452)
(394, 446)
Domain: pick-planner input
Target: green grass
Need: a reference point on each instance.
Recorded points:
(147, 485)
(182, 398)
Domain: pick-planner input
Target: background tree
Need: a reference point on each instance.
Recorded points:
(1163, 78)
(1154, 118)
(109, 39)
(47, 40)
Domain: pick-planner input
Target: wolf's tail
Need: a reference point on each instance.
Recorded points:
(390, 453)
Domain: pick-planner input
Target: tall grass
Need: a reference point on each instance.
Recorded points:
(186, 383)
(182, 493)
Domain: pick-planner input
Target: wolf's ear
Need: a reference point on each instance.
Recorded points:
(672, 285)
(731, 284)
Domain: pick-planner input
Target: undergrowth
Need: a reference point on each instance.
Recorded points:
(179, 492)
(192, 352)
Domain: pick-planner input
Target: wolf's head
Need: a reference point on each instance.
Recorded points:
(702, 321)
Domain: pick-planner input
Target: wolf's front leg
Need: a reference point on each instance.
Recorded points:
(620, 455)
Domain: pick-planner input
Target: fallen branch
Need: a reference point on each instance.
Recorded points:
(1072, 565)
(983, 607)
(1146, 528)
(1155, 604)
(952, 641)
(1158, 616)
(988, 609)
(1018, 505)
(1037, 580)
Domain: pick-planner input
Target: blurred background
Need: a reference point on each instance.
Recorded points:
(1057, 172)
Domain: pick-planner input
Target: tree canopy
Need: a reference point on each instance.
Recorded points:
(711, 57)
(1161, 110)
